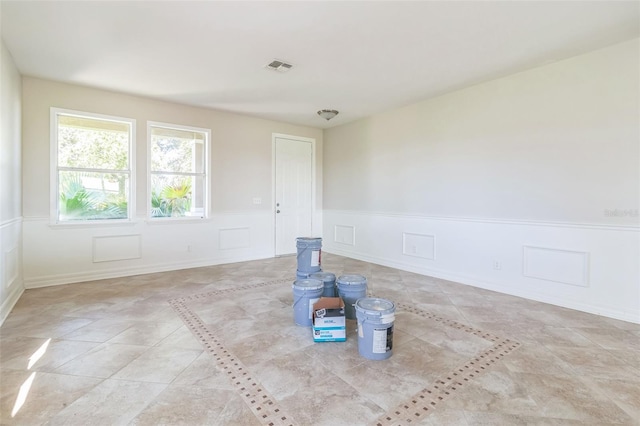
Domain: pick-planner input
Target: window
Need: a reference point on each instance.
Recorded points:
(178, 168)
(92, 176)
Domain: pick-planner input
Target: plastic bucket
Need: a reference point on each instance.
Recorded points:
(305, 294)
(375, 327)
(329, 281)
(302, 275)
(351, 288)
(309, 254)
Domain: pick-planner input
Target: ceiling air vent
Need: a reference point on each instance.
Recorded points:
(279, 66)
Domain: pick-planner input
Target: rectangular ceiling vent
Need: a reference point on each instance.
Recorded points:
(279, 66)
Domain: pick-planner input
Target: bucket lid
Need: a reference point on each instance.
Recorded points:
(353, 279)
(308, 284)
(324, 276)
(308, 239)
(375, 306)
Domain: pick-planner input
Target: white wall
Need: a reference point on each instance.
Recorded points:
(11, 286)
(241, 160)
(539, 171)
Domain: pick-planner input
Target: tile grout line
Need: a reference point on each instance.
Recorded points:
(266, 408)
(425, 401)
(261, 403)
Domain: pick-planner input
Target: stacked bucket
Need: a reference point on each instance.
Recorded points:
(307, 290)
(309, 256)
(375, 316)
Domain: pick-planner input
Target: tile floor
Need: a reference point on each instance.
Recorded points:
(117, 352)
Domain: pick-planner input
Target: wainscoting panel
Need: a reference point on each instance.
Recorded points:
(561, 266)
(234, 238)
(11, 281)
(116, 247)
(344, 234)
(588, 267)
(419, 245)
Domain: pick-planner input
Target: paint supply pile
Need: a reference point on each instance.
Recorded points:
(324, 303)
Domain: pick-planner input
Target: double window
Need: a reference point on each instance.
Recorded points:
(178, 169)
(93, 175)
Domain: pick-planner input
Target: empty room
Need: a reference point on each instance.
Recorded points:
(320, 213)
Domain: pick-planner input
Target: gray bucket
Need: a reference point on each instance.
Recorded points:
(302, 275)
(329, 281)
(309, 254)
(350, 289)
(375, 327)
(305, 294)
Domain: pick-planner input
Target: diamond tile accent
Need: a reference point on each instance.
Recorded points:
(268, 410)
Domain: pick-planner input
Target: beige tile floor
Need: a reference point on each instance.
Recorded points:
(116, 352)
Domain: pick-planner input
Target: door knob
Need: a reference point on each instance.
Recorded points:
(277, 211)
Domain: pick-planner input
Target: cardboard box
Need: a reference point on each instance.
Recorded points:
(329, 324)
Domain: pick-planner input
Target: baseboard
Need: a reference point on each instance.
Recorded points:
(618, 314)
(62, 279)
(10, 302)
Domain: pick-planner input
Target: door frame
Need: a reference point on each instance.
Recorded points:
(314, 185)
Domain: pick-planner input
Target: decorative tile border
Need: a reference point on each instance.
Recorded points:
(266, 408)
(425, 402)
(263, 405)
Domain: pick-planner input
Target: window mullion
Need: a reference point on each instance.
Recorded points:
(90, 170)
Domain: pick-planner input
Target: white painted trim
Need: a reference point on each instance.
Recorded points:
(353, 234)
(11, 281)
(314, 184)
(53, 167)
(178, 246)
(404, 243)
(143, 219)
(177, 220)
(629, 316)
(90, 224)
(62, 279)
(15, 292)
(95, 242)
(605, 227)
(239, 213)
(13, 285)
(530, 274)
(236, 228)
(11, 222)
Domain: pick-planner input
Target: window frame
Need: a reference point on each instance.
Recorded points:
(54, 187)
(206, 174)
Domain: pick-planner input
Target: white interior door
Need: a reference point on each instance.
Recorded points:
(293, 192)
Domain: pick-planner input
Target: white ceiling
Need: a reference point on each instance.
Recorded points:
(358, 57)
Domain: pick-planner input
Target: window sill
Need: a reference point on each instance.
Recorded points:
(176, 220)
(92, 224)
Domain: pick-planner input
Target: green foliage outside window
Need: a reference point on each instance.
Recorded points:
(80, 203)
(171, 200)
